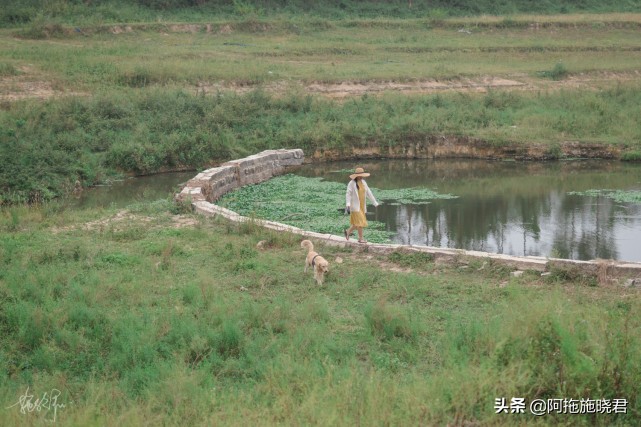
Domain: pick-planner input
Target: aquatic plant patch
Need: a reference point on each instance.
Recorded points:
(621, 196)
(314, 204)
(413, 196)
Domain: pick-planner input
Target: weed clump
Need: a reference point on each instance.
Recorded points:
(631, 156)
(7, 69)
(558, 72)
(387, 321)
(411, 259)
(563, 272)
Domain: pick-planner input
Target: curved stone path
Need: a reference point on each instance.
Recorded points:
(205, 188)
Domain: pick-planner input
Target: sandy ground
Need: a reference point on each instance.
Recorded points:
(482, 84)
(124, 219)
(30, 84)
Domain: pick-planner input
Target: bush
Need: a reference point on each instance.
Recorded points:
(554, 151)
(42, 27)
(631, 156)
(558, 72)
(138, 78)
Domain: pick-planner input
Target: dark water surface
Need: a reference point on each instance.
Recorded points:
(515, 208)
(131, 190)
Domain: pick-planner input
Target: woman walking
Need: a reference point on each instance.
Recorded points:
(357, 191)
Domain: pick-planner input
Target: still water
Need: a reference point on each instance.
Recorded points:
(514, 208)
(123, 193)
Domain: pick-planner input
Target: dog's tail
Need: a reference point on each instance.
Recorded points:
(307, 244)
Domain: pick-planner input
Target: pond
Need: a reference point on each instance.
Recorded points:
(514, 208)
(121, 194)
(506, 207)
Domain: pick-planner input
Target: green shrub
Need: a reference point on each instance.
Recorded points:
(558, 72)
(230, 340)
(631, 156)
(554, 151)
(138, 78)
(42, 27)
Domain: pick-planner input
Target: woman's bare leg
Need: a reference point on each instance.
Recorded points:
(360, 234)
(349, 231)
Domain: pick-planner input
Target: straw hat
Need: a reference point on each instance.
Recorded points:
(359, 172)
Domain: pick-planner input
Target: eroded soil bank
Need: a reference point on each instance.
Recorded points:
(441, 147)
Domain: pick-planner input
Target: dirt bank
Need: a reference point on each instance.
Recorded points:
(442, 146)
(479, 84)
(31, 83)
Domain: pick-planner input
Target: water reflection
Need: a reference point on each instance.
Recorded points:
(509, 207)
(123, 193)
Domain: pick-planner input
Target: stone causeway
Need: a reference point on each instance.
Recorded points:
(204, 189)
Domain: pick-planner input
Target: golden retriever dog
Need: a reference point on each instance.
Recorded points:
(314, 260)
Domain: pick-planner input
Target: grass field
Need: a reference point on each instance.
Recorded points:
(146, 317)
(291, 53)
(85, 103)
(153, 316)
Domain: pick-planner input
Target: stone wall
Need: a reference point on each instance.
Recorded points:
(206, 187)
(211, 184)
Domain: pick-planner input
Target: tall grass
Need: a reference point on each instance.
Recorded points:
(136, 321)
(8, 69)
(153, 98)
(17, 12)
(47, 147)
(307, 49)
